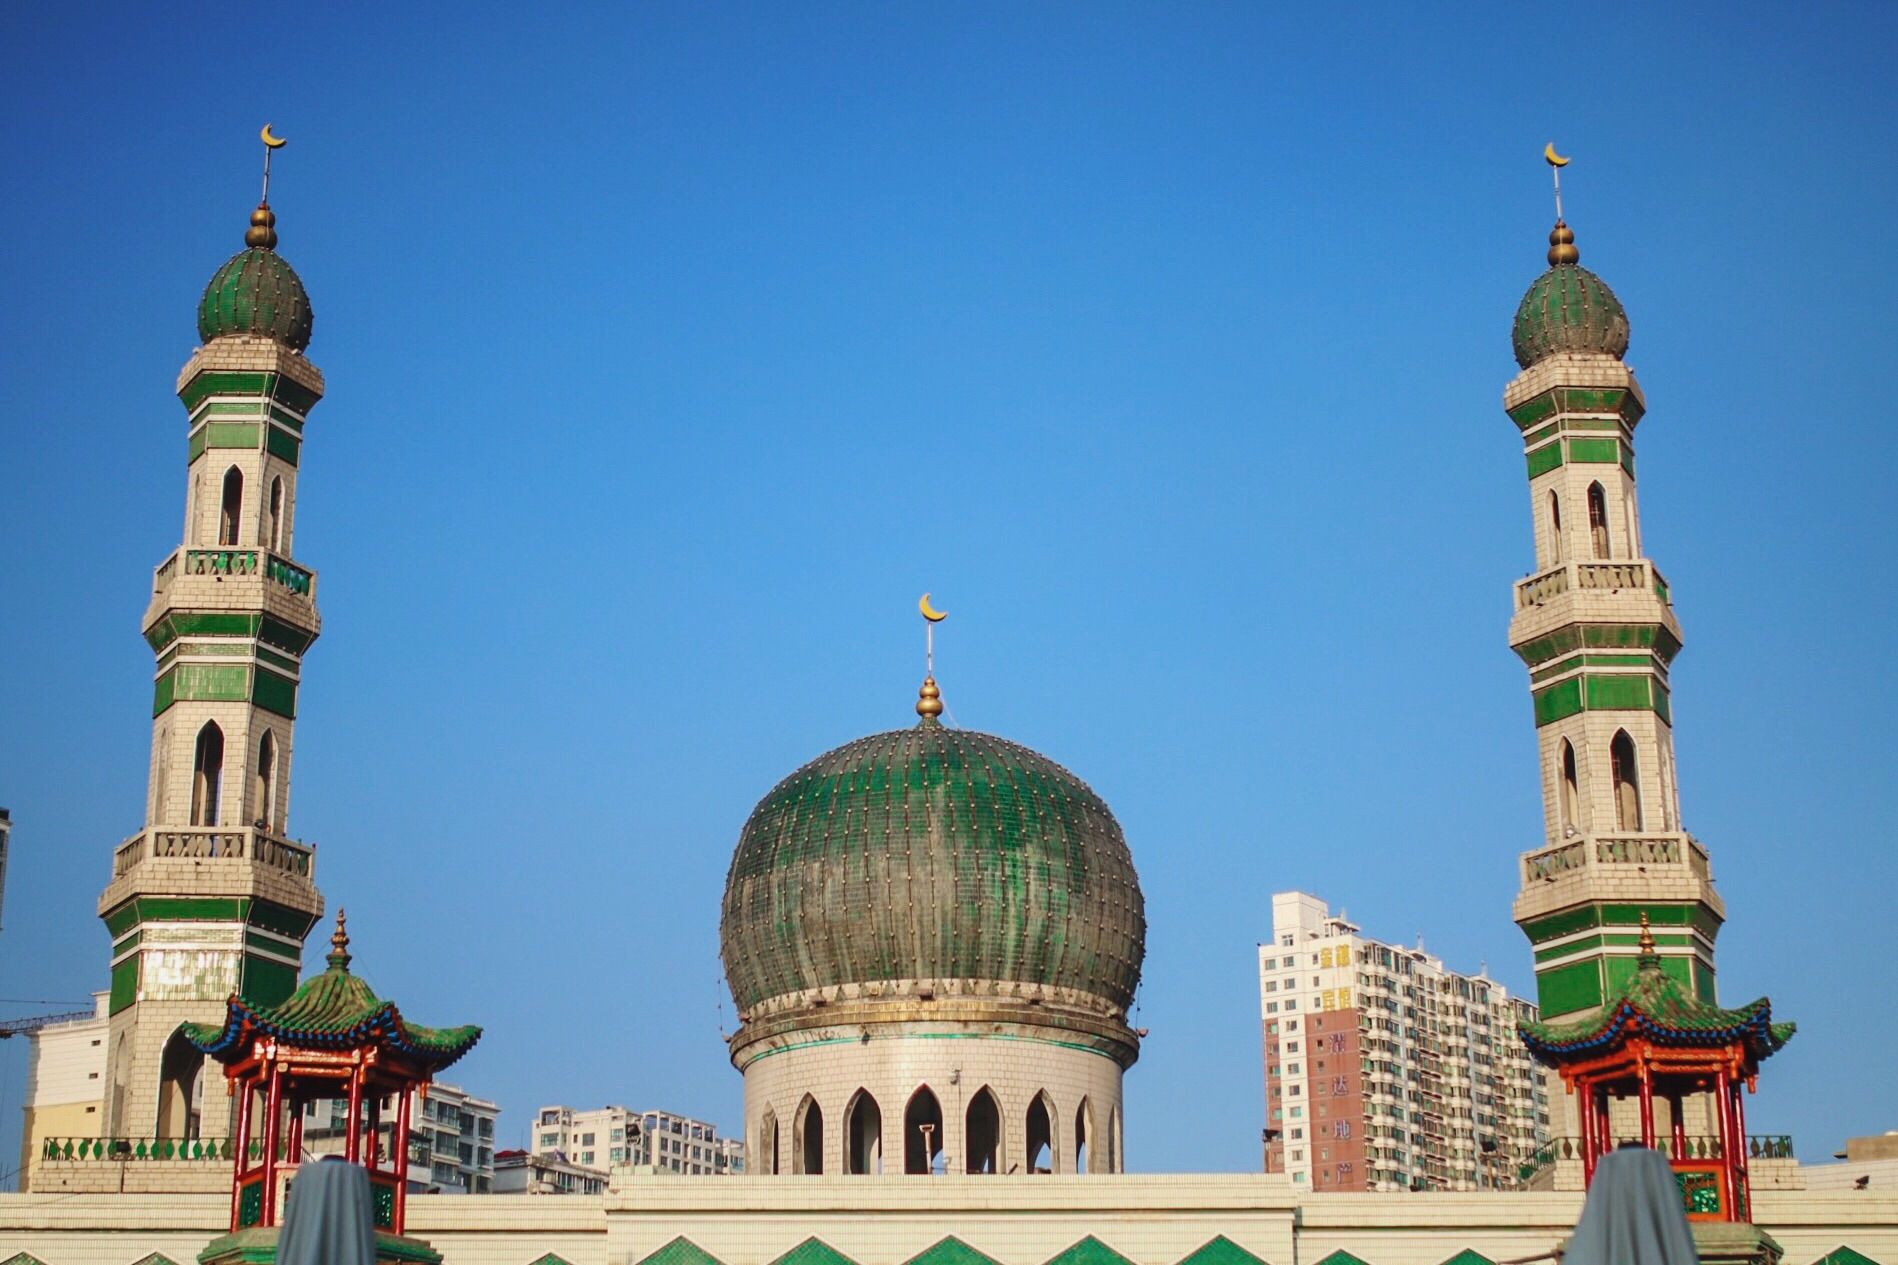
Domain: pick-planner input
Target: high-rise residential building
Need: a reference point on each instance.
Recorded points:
(518, 1173)
(607, 1136)
(451, 1138)
(1386, 1070)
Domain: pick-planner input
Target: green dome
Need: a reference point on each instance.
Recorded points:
(256, 293)
(932, 853)
(1569, 308)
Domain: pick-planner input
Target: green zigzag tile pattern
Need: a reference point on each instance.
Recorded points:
(1843, 1255)
(1342, 1257)
(813, 1251)
(1089, 1251)
(551, 1259)
(681, 1251)
(1469, 1256)
(932, 853)
(950, 1251)
(1221, 1251)
(155, 1258)
(22, 1258)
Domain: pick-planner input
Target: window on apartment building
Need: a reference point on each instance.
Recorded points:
(1271, 1008)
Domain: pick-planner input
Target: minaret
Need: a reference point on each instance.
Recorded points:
(212, 897)
(1595, 624)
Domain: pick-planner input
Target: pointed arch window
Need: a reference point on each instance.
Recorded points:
(1555, 526)
(1571, 789)
(982, 1133)
(1113, 1141)
(768, 1143)
(863, 1135)
(1039, 1145)
(231, 509)
(807, 1138)
(1627, 781)
(276, 514)
(1598, 520)
(207, 775)
(922, 1133)
(180, 1104)
(265, 789)
(1083, 1135)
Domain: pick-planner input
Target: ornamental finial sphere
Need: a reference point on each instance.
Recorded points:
(262, 233)
(1562, 246)
(929, 700)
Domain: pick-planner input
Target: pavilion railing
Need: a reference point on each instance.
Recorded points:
(137, 1150)
(1759, 1146)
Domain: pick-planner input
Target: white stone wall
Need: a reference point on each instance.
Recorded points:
(892, 1062)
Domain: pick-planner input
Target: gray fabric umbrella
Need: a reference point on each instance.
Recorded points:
(1633, 1215)
(330, 1220)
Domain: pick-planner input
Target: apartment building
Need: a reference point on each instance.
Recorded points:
(451, 1138)
(519, 1173)
(607, 1136)
(1386, 1070)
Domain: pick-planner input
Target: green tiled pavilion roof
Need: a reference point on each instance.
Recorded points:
(1569, 308)
(1220, 1250)
(949, 1251)
(680, 1251)
(932, 853)
(333, 1010)
(813, 1251)
(1089, 1251)
(1653, 1004)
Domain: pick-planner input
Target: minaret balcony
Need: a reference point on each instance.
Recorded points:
(1664, 866)
(232, 563)
(1633, 575)
(215, 844)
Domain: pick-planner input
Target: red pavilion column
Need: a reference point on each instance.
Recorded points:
(273, 1105)
(352, 1151)
(1742, 1208)
(1585, 1113)
(243, 1149)
(401, 1163)
(1647, 1103)
(1723, 1101)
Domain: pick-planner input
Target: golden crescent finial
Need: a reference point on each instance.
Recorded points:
(271, 142)
(1551, 157)
(930, 613)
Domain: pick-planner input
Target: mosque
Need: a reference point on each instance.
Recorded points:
(933, 937)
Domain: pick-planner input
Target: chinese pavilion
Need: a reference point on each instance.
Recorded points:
(332, 1038)
(1656, 1040)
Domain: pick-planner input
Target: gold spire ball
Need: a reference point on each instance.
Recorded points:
(929, 699)
(339, 942)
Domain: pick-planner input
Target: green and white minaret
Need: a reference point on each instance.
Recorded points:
(213, 897)
(1595, 624)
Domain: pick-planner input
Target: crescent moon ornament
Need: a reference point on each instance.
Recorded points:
(271, 142)
(1551, 157)
(930, 613)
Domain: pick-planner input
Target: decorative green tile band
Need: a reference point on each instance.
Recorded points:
(1597, 692)
(1579, 450)
(1572, 637)
(283, 444)
(1590, 916)
(1575, 661)
(1621, 403)
(222, 382)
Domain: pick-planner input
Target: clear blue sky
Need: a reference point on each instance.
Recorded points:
(673, 350)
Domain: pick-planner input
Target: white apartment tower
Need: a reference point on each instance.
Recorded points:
(1386, 1070)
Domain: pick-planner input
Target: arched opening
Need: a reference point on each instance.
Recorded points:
(276, 514)
(1039, 1144)
(1083, 1135)
(807, 1140)
(1598, 520)
(232, 510)
(179, 1085)
(265, 782)
(982, 1133)
(161, 777)
(922, 1133)
(863, 1135)
(1627, 781)
(1555, 526)
(768, 1143)
(1571, 789)
(121, 1084)
(1113, 1141)
(207, 775)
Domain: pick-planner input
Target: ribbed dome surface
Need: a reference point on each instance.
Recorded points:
(932, 853)
(256, 293)
(1569, 308)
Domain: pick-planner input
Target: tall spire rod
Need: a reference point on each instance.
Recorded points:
(272, 144)
(929, 698)
(1556, 163)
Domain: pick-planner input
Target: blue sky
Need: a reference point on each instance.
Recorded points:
(673, 350)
